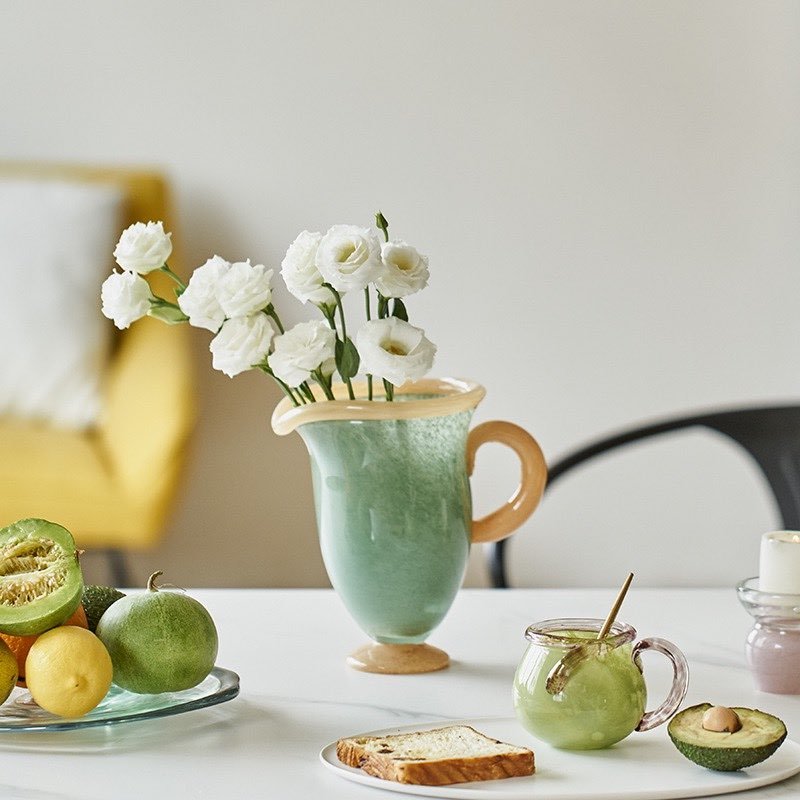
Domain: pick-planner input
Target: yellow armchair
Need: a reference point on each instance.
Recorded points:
(114, 485)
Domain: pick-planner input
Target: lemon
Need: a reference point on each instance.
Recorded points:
(8, 671)
(68, 671)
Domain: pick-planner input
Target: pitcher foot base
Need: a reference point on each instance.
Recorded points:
(398, 659)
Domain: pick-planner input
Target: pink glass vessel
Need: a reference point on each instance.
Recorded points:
(773, 645)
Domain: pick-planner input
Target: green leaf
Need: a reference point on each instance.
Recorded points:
(399, 309)
(347, 359)
(168, 313)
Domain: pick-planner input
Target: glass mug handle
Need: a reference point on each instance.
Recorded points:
(506, 519)
(680, 680)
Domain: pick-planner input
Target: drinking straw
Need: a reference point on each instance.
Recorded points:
(612, 615)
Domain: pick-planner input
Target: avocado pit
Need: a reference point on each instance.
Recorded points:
(721, 719)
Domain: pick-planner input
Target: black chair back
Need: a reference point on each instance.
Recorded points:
(771, 436)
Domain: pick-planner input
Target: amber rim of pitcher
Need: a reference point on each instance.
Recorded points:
(545, 632)
(445, 396)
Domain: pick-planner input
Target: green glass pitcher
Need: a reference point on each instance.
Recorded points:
(394, 507)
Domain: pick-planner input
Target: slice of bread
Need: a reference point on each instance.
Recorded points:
(455, 754)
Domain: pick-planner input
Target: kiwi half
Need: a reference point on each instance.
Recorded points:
(40, 578)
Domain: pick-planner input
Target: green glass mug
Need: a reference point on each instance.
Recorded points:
(577, 692)
(394, 508)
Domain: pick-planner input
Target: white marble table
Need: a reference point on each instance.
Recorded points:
(288, 646)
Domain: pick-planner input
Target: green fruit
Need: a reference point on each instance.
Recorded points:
(159, 641)
(96, 601)
(759, 737)
(8, 671)
(40, 578)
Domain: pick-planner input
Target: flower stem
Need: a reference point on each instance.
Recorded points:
(271, 312)
(324, 383)
(340, 306)
(305, 389)
(389, 390)
(181, 285)
(286, 390)
(264, 367)
(332, 322)
(369, 317)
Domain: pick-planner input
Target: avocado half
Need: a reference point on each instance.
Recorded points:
(759, 737)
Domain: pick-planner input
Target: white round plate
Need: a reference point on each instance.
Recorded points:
(645, 766)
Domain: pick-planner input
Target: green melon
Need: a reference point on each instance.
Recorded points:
(40, 578)
(159, 641)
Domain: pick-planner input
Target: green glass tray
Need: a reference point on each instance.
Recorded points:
(20, 713)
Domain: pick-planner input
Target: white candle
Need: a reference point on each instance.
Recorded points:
(779, 571)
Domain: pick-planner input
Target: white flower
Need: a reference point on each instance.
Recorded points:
(200, 301)
(300, 273)
(349, 257)
(126, 298)
(394, 350)
(143, 248)
(303, 349)
(241, 343)
(244, 289)
(406, 270)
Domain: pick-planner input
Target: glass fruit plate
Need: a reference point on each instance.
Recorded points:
(20, 713)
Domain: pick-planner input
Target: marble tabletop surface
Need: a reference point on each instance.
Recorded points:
(297, 694)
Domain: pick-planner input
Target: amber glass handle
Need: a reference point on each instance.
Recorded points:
(506, 519)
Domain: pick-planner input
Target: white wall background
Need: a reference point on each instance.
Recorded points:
(608, 193)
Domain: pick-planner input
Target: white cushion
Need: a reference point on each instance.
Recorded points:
(56, 240)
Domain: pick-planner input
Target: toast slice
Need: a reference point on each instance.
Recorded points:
(455, 754)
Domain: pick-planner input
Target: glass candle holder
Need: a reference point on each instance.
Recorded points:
(773, 645)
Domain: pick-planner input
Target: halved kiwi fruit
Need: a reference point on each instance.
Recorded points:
(40, 578)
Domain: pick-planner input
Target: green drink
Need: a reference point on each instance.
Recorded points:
(601, 703)
(580, 693)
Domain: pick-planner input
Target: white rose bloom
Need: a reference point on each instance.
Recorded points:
(126, 298)
(406, 270)
(303, 349)
(244, 289)
(143, 248)
(349, 257)
(300, 273)
(394, 350)
(241, 343)
(200, 301)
